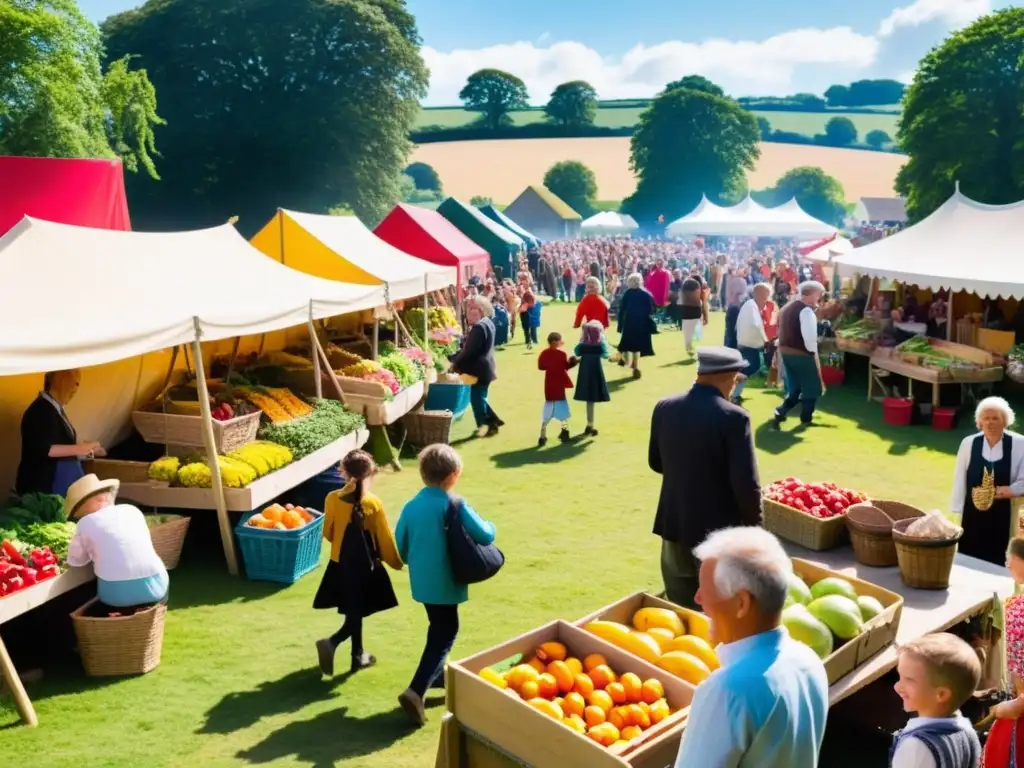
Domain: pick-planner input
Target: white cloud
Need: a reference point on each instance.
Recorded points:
(953, 13)
(742, 67)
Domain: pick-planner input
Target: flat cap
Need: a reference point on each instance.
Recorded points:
(719, 360)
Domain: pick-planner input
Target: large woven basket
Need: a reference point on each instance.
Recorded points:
(425, 428)
(924, 563)
(126, 645)
(870, 525)
(169, 539)
(187, 431)
(804, 529)
(123, 471)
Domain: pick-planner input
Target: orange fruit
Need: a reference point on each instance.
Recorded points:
(560, 702)
(645, 707)
(564, 676)
(493, 678)
(538, 665)
(662, 636)
(617, 692)
(583, 686)
(547, 687)
(521, 674)
(593, 716)
(274, 513)
(576, 723)
(594, 660)
(604, 734)
(633, 686)
(652, 690)
(638, 717)
(659, 711)
(292, 519)
(552, 651)
(574, 704)
(630, 732)
(602, 675)
(575, 665)
(603, 700)
(549, 708)
(529, 690)
(619, 717)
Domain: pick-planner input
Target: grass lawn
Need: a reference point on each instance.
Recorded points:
(238, 683)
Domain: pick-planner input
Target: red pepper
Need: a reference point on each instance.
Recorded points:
(42, 557)
(30, 576)
(14, 584)
(48, 572)
(13, 553)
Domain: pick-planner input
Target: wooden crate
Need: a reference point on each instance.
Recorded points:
(879, 633)
(999, 342)
(804, 529)
(535, 739)
(622, 612)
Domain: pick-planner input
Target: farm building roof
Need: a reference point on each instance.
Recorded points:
(885, 208)
(553, 201)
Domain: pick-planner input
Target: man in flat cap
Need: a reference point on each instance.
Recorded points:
(703, 447)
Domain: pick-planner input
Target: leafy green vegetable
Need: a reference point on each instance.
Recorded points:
(329, 421)
(405, 370)
(47, 507)
(56, 536)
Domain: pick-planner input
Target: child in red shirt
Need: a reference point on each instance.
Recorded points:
(555, 364)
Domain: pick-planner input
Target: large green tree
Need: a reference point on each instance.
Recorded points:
(302, 104)
(572, 105)
(963, 118)
(839, 132)
(575, 183)
(819, 194)
(494, 93)
(689, 143)
(695, 83)
(55, 99)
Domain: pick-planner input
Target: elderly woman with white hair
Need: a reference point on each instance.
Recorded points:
(989, 473)
(636, 323)
(476, 358)
(798, 349)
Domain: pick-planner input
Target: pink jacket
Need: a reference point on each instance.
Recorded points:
(657, 283)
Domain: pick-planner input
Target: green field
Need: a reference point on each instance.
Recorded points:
(238, 683)
(624, 116)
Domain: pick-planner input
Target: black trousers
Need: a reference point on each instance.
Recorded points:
(441, 634)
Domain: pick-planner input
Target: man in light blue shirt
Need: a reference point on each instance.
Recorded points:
(766, 706)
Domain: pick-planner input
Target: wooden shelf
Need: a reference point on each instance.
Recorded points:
(25, 600)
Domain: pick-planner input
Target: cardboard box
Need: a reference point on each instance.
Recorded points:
(623, 610)
(511, 725)
(878, 633)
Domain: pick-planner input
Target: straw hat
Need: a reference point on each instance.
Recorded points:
(84, 489)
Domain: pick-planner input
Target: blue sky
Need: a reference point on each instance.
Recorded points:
(750, 47)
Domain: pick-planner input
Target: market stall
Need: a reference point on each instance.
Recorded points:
(503, 245)
(608, 223)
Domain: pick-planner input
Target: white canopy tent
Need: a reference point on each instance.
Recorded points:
(609, 223)
(749, 219)
(963, 246)
(826, 252)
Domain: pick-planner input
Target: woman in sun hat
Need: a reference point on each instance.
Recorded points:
(115, 539)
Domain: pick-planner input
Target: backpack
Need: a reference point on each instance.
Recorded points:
(471, 562)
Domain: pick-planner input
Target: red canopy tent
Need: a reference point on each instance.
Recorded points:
(429, 236)
(87, 193)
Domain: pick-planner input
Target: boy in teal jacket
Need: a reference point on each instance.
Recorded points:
(423, 546)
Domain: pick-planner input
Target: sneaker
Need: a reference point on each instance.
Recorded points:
(564, 436)
(363, 661)
(325, 655)
(590, 432)
(492, 430)
(636, 373)
(542, 442)
(413, 706)
(777, 421)
(498, 422)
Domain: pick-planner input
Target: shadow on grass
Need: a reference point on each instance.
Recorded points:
(553, 453)
(776, 441)
(208, 583)
(685, 363)
(329, 738)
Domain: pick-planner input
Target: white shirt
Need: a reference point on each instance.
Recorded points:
(992, 453)
(912, 753)
(749, 326)
(809, 329)
(116, 541)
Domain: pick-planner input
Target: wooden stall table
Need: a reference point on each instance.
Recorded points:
(886, 361)
(975, 586)
(24, 601)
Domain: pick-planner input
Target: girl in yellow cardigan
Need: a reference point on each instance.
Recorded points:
(355, 580)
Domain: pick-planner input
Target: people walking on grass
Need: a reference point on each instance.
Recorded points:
(693, 308)
(423, 545)
(636, 323)
(798, 348)
(591, 386)
(750, 335)
(526, 317)
(555, 364)
(476, 359)
(594, 306)
(355, 581)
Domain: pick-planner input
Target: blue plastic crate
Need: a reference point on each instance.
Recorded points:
(448, 397)
(281, 556)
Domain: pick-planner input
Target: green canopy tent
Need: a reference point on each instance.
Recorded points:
(503, 245)
(492, 213)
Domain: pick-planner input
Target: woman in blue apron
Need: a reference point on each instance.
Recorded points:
(51, 456)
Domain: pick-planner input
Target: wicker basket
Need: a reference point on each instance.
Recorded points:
(924, 563)
(428, 427)
(127, 645)
(804, 529)
(123, 471)
(187, 431)
(870, 525)
(168, 540)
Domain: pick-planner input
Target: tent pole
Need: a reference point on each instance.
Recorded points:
(280, 233)
(426, 312)
(949, 315)
(318, 384)
(227, 536)
(319, 350)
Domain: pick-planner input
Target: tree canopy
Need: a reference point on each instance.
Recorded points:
(840, 132)
(572, 105)
(962, 118)
(424, 176)
(819, 194)
(575, 183)
(305, 104)
(695, 83)
(494, 93)
(877, 138)
(864, 93)
(687, 144)
(56, 100)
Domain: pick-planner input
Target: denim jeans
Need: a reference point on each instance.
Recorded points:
(441, 634)
(482, 411)
(752, 356)
(803, 387)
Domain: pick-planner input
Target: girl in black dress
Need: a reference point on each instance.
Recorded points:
(355, 581)
(591, 385)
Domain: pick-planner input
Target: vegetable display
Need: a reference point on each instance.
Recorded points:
(404, 369)
(931, 355)
(823, 500)
(33, 508)
(329, 421)
(165, 469)
(361, 369)
(439, 318)
(262, 456)
(419, 356)
(233, 473)
(862, 330)
(277, 403)
(23, 566)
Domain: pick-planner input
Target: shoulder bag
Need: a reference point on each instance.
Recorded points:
(471, 562)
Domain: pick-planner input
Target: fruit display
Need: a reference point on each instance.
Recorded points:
(223, 412)
(828, 613)
(264, 457)
(329, 421)
(277, 403)
(585, 695)
(281, 518)
(660, 637)
(821, 500)
(237, 469)
(22, 566)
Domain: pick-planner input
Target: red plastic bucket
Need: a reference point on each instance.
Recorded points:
(833, 377)
(943, 418)
(897, 411)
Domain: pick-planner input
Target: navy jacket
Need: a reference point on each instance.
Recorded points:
(477, 355)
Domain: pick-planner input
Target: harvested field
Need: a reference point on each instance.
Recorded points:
(500, 169)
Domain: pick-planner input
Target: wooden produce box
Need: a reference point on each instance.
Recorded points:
(855, 346)
(879, 633)
(537, 740)
(806, 530)
(999, 342)
(622, 611)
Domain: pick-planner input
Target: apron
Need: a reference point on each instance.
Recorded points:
(987, 533)
(68, 470)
